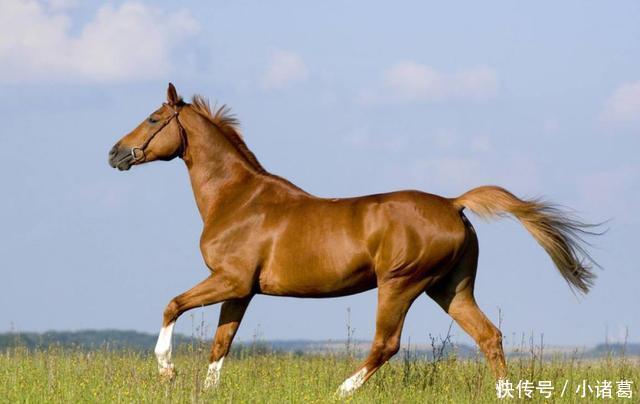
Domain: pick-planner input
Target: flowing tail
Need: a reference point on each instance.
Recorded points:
(559, 234)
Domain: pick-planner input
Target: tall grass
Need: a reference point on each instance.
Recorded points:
(74, 375)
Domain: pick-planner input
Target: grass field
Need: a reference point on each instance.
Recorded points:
(72, 376)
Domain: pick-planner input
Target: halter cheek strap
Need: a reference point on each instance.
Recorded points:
(141, 157)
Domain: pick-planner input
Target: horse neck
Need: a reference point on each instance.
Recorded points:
(216, 169)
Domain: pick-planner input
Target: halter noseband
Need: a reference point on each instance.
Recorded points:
(166, 122)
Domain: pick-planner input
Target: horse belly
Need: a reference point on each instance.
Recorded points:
(318, 272)
(325, 286)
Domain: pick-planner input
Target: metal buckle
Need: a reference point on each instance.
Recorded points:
(133, 153)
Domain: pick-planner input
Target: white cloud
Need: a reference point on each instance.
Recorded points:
(411, 81)
(284, 69)
(622, 109)
(61, 4)
(131, 41)
(414, 81)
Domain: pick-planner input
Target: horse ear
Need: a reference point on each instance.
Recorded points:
(172, 95)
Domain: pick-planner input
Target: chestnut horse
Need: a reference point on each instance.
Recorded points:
(264, 235)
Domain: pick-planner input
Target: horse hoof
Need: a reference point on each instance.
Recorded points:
(343, 393)
(167, 374)
(210, 384)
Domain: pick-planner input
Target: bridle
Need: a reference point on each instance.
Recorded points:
(183, 136)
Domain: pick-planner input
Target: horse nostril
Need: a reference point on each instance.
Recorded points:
(113, 151)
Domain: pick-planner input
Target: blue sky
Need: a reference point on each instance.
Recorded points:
(342, 98)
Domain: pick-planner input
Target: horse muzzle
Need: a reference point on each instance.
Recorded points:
(121, 157)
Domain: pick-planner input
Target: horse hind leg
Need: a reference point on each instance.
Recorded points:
(394, 301)
(465, 311)
(454, 294)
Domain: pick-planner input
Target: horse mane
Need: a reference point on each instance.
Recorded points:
(228, 124)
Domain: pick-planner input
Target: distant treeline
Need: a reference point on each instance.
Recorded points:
(138, 341)
(87, 339)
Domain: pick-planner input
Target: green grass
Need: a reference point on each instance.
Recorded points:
(73, 376)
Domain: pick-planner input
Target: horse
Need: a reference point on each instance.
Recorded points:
(264, 235)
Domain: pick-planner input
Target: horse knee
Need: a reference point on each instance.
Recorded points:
(171, 312)
(219, 348)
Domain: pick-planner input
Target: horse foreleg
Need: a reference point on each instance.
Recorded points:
(163, 351)
(231, 314)
(392, 309)
(212, 290)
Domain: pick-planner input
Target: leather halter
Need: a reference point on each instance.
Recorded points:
(143, 146)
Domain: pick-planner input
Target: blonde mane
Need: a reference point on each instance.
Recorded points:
(228, 124)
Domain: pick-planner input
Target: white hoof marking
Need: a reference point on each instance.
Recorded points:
(163, 350)
(213, 374)
(351, 384)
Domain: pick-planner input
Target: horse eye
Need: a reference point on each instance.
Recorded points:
(151, 120)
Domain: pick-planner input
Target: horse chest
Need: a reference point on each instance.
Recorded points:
(235, 250)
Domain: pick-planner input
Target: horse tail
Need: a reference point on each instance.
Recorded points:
(556, 231)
